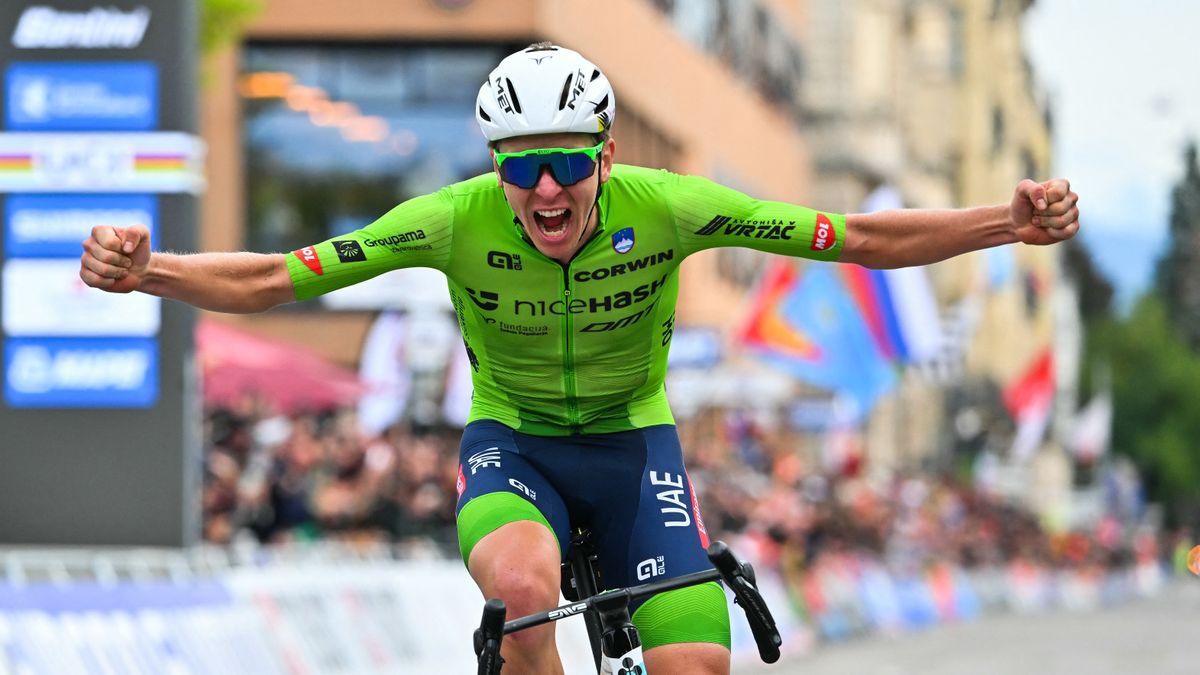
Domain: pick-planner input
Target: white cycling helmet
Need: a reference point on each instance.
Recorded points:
(544, 89)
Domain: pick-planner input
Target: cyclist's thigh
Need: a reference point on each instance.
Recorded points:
(665, 539)
(497, 486)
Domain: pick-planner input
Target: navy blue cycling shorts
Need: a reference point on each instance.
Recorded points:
(628, 488)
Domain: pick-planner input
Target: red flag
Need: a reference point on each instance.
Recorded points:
(1033, 391)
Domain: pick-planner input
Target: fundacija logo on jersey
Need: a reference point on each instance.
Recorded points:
(622, 240)
(308, 256)
(824, 236)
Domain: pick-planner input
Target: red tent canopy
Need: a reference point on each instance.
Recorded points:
(236, 365)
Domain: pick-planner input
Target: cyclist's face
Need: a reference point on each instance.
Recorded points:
(553, 215)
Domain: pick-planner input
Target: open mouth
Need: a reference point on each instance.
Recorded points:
(552, 223)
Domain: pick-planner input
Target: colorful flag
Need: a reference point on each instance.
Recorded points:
(918, 328)
(871, 293)
(809, 326)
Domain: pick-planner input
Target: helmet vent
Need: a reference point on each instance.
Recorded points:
(603, 104)
(595, 74)
(562, 100)
(486, 117)
(516, 102)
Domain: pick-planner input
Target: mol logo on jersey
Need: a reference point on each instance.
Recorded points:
(824, 236)
(308, 256)
(622, 240)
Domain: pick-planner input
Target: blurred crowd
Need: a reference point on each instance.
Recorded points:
(314, 476)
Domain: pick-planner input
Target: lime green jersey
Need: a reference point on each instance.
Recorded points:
(577, 348)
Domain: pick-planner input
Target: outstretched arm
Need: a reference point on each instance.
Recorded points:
(119, 260)
(1039, 214)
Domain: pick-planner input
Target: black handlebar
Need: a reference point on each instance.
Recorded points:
(739, 576)
(488, 637)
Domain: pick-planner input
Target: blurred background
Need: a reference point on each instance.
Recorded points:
(1008, 433)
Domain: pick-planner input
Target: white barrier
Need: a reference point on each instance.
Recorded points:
(385, 617)
(352, 618)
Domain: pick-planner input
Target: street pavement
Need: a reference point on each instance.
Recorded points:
(1154, 636)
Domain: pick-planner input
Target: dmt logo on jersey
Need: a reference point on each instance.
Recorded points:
(622, 240)
(348, 250)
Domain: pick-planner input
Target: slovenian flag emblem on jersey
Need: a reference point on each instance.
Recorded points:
(623, 240)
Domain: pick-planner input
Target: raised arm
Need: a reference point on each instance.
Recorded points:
(1039, 214)
(119, 260)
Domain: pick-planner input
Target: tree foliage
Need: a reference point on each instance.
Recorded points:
(1095, 290)
(1151, 359)
(1178, 274)
(221, 22)
(1156, 401)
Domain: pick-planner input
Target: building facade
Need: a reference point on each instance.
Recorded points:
(324, 115)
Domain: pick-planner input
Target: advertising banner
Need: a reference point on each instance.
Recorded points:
(98, 121)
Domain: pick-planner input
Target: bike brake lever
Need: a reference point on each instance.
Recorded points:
(740, 578)
(488, 636)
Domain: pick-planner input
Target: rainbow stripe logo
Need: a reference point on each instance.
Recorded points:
(16, 162)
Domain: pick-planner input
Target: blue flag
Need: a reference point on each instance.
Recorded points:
(846, 358)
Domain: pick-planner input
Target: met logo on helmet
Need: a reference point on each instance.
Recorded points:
(580, 83)
(824, 236)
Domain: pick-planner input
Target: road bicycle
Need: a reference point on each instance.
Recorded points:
(616, 646)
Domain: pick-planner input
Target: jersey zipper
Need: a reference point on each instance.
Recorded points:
(569, 385)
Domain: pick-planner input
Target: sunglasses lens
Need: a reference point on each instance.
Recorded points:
(521, 171)
(571, 168)
(568, 168)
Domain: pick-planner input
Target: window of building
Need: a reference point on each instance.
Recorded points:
(336, 135)
(999, 136)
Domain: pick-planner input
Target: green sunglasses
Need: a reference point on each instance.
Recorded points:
(567, 165)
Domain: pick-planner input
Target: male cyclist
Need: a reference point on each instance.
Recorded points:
(563, 271)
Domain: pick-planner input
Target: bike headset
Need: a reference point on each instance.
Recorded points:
(546, 89)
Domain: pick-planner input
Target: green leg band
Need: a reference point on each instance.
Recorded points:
(691, 614)
(485, 514)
